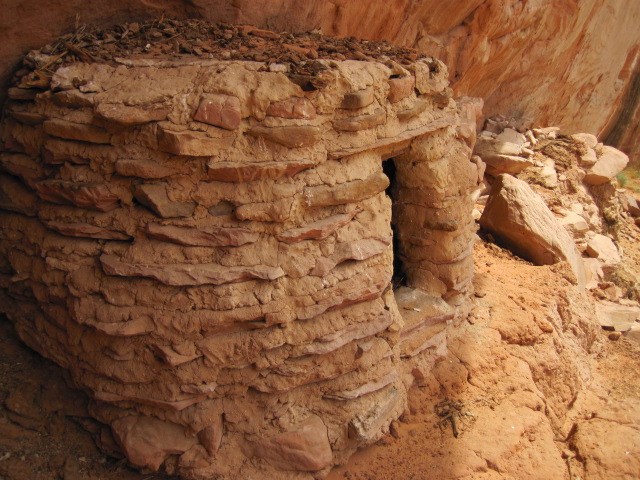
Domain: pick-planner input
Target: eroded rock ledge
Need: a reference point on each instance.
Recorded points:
(206, 247)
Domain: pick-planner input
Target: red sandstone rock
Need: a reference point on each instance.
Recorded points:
(518, 216)
(418, 107)
(143, 169)
(219, 110)
(205, 237)
(21, 93)
(306, 448)
(211, 436)
(317, 230)
(15, 198)
(129, 116)
(291, 137)
(278, 211)
(359, 99)
(28, 118)
(21, 166)
(400, 88)
(147, 441)
(294, 108)
(191, 143)
(84, 195)
(187, 274)
(348, 192)
(155, 197)
(247, 172)
(611, 162)
(86, 230)
(358, 250)
(76, 131)
(361, 122)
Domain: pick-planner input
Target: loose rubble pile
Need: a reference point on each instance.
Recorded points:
(205, 245)
(553, 198)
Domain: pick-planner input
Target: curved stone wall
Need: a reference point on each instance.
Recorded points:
(206, 247)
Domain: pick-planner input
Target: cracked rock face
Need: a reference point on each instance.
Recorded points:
(206, 248)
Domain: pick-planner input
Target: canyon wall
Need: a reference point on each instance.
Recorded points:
(557, 62)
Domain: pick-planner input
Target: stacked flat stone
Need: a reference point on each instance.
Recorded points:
(206, 248)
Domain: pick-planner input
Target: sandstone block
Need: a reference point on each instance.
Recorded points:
(293, 108)
(28, 118)
(297, 136)
(14, 197)
(575, 223)
(431, 76)
(361, 122)
(368, 425)
(131, 115)
(184, 274)
(154, 197)
(610, 163)
(589, 140)
(147, 169)
(86, 230)
(509, 135)
(359, 99)
(76, 131)
(603, 248)
(416, 109)
(22, 94)
(519, 217)
(22, 166)
(72, 99)
(613, 316)
(148, 441)
(194, 144)
(95, 196)
(278, 211)
(248, 172)
(317, 230)
(348, 192)
(357, 250)
(204, 236)
(400, 88)
(589, 158)
(631, 204)
(219, 110)
(306, 448)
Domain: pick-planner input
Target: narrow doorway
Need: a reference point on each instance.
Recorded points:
(399, 278)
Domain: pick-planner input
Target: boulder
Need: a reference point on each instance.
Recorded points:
(631, 205)
(619, 318)
(575, 223)
(589, 140)
(501, 156)
(306, 448)
(593, 271)
(512, 136)
(611, 162)
(603, 248)
(219, 110)
(148, 441)
(519, 217)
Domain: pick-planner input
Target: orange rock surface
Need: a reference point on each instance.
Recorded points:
(558, 62)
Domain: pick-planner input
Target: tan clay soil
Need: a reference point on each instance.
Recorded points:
(534, 388)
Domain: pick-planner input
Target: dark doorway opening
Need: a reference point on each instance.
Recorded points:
(399, 277)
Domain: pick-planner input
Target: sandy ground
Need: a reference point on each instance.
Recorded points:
(532, 386)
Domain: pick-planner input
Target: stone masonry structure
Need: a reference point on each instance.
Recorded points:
(206, 246)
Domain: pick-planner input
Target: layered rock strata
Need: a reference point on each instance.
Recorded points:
(206, 247)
